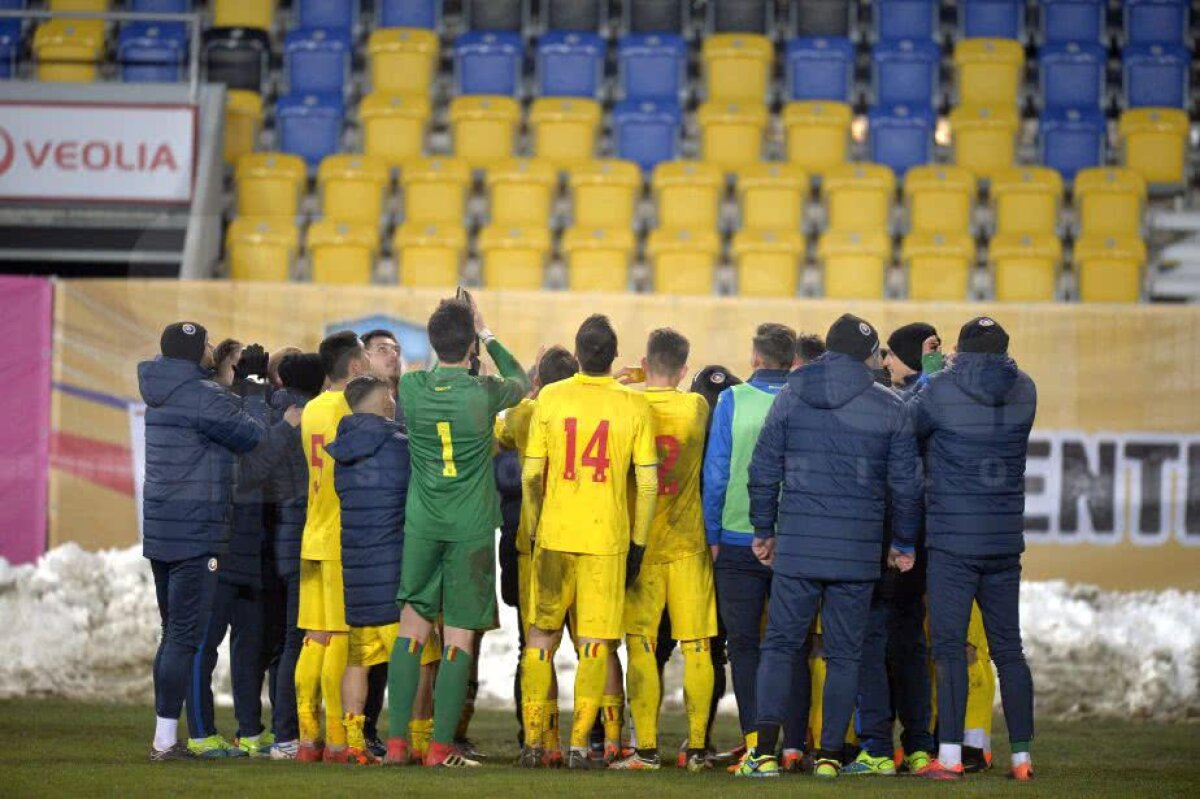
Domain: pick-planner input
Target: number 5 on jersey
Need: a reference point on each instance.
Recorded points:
(595, 454)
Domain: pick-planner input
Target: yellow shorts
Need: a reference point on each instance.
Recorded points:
(591, 587)
(684, 588)
(322, 600)
(370, 646)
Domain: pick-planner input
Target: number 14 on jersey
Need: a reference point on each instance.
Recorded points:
(595, 454)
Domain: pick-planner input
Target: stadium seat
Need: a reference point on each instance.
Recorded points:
(1026, 200)
(858, 197)
(152, 52)
(270, 185)
(683, 261)
(731, 134)
(652, 66)
(564, 130)
(1025, 267)
(740, 16)
(1074, 21)
(403, 60)
(77, 6)
(237, 57)
(570, 64)
(647, 132)
(604, 194)
(854, 263)
(991, 19)
(428, 254)
(656, 16)
(10, 47)
(939, 199)
(1156, 21)
(820, 69)
(822, 17)
(905, 19)
(1071, 139)
(68, 51)
(1154, 142)
(766, 262)
(521, 192)
(309, 125)
(984, 139)
(258, 14)
(408, 13)
(243, 121)
(317, 61)
(818, 134)
(737, 67)
(484, 128)
(688, 194)
(906, 72)
(938, 265)
(352, 188)
(514, 257)
(989, 71)
(901, 137)
(158, 6)
(435, 190)
(575, 15)
(1109, 201)
(1156, 75)
(1109, 269)
(342, 252)
(771, 196)
(317, 14)
(261, 248)
(494, 15)
(488, 63)
(598, 258)
(1072, 75)
(394, 126)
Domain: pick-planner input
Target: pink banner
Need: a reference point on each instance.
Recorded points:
(25, 358)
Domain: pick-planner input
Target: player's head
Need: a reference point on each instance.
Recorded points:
(596, 345)
(451, 331)
(225, 357)
(809, 347)
(556, 364)
(856, 337)
(383, 353)
(342, 356)
(710, 381)
(302, 372)
(274, 362)
(774, 346)
(371, 394)
(666, 356)
(905, 348)
(187, 341)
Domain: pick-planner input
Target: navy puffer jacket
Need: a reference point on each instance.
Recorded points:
(974, 420)
(372, 484)
(835, 448)
(194, 430)
(288, 487)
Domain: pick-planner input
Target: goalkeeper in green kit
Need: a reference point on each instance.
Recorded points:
(451, 517)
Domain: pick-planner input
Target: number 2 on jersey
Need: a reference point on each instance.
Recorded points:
(668, 456)
(448, 467)
(595, 454)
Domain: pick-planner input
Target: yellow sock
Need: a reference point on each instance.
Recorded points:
(815, 717)
(353, 723)
(332, 669)
(419, 733)
(537, 673)
(590, 677)
(645, 691)
(751, 739)
(613, 708)
(550, 740)
(698, 679)
(308, 689)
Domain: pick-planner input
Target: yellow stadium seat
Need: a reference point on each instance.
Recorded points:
(564, 129)
(435, 190)
(683, 261)
(403, 60)
(353, 187)
(1154, 142)
(1025, 266)
(766, 262)
(772, 196)
(514, 257)
(1109, 268)
(270, 184)
(731, 134)
(939, 198)
(859, 197)
(521, 192)
(598, 258)
(984, 138)
(76, 6)
(737, 67)
(818, 134)
(989, 71)
(1109, 201)
(68, 50)
(394, 126)
(484, 128)
(938, 265)
(604, 194)
(1026, 199)
(429, 254)
(342, 252)
(688, 194)
(243, 121)
(855, 263)
(244, 14)
(261, 248)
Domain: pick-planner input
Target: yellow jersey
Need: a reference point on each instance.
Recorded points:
(680, 424)
(322, 538)
(512, 432)
(592, 432)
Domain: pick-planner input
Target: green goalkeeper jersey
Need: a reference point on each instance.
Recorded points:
(451, 415)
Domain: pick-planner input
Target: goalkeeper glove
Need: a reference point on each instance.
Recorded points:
(252, 364)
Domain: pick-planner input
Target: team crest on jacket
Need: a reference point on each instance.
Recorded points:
(212, 564)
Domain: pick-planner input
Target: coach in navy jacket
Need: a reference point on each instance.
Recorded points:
(836, 447)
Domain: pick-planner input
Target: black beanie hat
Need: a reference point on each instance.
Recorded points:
(906, 343)
(710, 381)
(983, 334)
(852, 336)
(302, 372)
(184, 340)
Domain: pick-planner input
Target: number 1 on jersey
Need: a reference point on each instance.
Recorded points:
(448, 467)
(595, 454)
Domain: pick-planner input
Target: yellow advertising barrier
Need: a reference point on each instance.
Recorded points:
(1114, 471)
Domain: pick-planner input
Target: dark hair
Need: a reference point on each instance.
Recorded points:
(337, 350)
(362, 387)
(451, 330)
(596, 345)
(666, 351)
(371, 335)
(556, 364)
(776, 344)
(303, 372)
(225, 349)
(809, 347)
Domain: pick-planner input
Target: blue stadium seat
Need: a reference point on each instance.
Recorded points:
(488, 63)
(1156, 75)
(905, 72)
(408, 13)
(570, 64)
(317, 61)
(820, 68)
(1071, 139)
(901, 137)
(152, 52)
(325, 14)
(1072, 75)
(156, 6)
(10, 47)
(1156, 21)
(13, 5)
(647, 132)
(1074, 21)
(652, 66)
(310, 126)
(991, 19)
(906, 19)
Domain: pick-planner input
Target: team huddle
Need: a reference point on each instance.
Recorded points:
(817, 525)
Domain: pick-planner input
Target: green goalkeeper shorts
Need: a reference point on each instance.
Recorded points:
(456, 579)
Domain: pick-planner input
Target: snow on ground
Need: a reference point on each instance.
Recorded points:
(83, 625)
